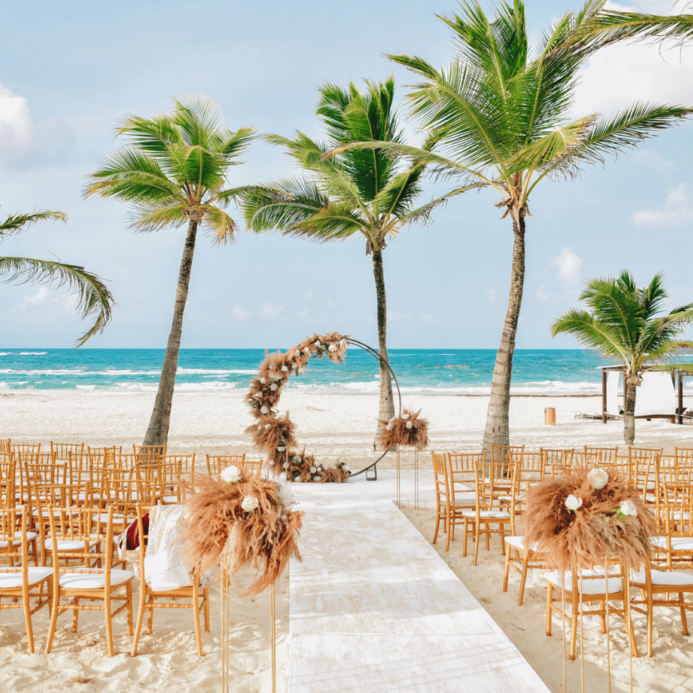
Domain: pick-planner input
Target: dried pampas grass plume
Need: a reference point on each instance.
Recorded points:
(218, 529)
(582, 539)
(409, 429)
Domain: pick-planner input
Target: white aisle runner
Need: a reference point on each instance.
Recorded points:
(373, 608)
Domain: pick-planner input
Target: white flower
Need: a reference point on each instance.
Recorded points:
(317, 477)
(409, 424)
(300, 370)
(264, 409)
(285, 369)
(332, 347)
(285, 495)
(258, 395)
(263, 381)
(307, 350)
(267, 426)
(599, 478)
(392, 419)
(296, 460)
(345, 466)
(286, 465)
(389, 427)
(249, 503)
(573, 503)
(313, 470)
(405, 417)
(343, 343)
(317, 342)
(627, 507)
(273, 387)
(231, 475)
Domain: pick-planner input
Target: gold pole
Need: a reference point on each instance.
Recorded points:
(273, 636)
(582, 641)
(416, 478)
(398, 471)
(606, 606)
(563, 626)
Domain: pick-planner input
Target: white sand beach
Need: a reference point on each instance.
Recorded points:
(341, 428)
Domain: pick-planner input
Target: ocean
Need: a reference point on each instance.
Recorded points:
(424, 371)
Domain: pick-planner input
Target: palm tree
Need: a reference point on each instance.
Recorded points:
(625, 324)
(369, 194)
(94, 297)
(173, 172)
(502, 119)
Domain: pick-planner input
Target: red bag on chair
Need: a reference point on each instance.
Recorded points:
(133, 533)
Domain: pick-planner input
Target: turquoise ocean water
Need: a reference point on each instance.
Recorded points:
(426, 371)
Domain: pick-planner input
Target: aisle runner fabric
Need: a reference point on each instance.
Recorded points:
(374, 608)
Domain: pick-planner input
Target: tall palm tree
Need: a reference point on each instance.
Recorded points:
(369, 194)
(625, 324)
(94, 297)
(501, 116)
(173, 171)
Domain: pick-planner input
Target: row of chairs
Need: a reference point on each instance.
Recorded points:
(486, 494)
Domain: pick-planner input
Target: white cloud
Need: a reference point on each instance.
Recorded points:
(677, 210)
(239, 313)
(569, 266)
(26, 140)
(541, 293)
(428, 319)
(270, 312)
(309, 293)
(654, 159)
(395, 316)
(491, 296)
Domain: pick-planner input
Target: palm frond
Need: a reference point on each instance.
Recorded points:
(94, 298)
(16, 223)
(223, 227)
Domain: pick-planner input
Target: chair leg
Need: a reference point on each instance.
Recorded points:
(650, 625)
(75, 616)
(549, 602)
(205, 592)
(150, 620)
(196, 614)
(523, 577)
(55, 603)
(477, 539)
(129, 607)
(109, 624)
(602, 608)
(447, 524)
(487, 532)
(27, 620)
(507, 570)
(684, 620)
(573, 630)
(140, 619)
(502, 536)
(464, 543)
(435, 531)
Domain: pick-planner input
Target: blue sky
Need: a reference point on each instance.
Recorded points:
(72, 70)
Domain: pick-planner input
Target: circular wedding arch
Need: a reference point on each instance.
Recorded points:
(274, 435)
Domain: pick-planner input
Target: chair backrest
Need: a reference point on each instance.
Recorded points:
(26, 448)
(215, 463)
(494, 478)
(683, 456)
(67, 451)
(557, 460)
(501, 453)
(104, 456)
(8, 482)
(147, 454)
(14, 546)
(253, 467)
(627, 468)
(600, 457)
(440, 477)
(90, 527)
(6, 446)
(530, 469)
(121, 490)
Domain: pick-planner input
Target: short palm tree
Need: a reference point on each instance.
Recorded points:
(368, 194)
(625, 324)
(95, 299)
(173, 173)
(501, 116)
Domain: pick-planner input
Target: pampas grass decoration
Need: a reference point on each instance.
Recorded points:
(409, 429)
(219, 529)
(274, 435)
(585, 537)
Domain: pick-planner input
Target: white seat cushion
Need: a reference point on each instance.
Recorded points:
(663, 577)
(466, 499)
(174, 499)
(677, 543)
(30, 536)
(96, 581)
(519, 543)
(459, 486)
(679, 515)
(12, 580)
(488, 514)
(589, 586)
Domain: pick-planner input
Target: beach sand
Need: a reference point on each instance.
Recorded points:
(333, 427)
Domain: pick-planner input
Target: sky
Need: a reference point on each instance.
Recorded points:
(71, 71)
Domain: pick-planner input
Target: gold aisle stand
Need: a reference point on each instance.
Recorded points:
(398, 476)
(416, 478)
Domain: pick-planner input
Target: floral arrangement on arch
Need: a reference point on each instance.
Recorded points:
(238, 519)
(409, 429)
(578, 520)
(272, 434)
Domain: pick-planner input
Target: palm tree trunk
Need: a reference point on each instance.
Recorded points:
(157, 433)
(629, 413)
(497, 418)
(386, 409)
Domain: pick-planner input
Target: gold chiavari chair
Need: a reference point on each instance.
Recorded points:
(173, 483)
(440, 479)
(646, 465)
(150, 598)
(576, 589)
(461, 473)
(26, 449)
(8, 481)
(149, 453)
(528, 469)
(600, 457)
(127, 461)
(6, 446)
(673, 547)
(86, 583)
(253, 467)
(19, 582)
(557, 461)
(627, 469)
(104, 456)
(683, 456)
(215, 463)
(490, 478)
(66, 451)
